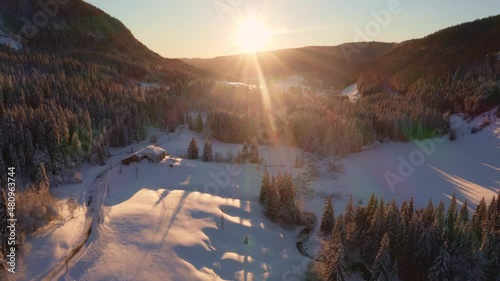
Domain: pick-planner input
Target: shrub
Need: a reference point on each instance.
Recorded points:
(78, 177)
(218, 157)
(309, 220)
(453, 135)
(153, 139)
(485, 122)
(475, 130)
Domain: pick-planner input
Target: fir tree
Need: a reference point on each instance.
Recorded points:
(3, 223)
(428, 215)
(193, 150)
(288, 211)
(328, 218)
(440, 270)
(451, 216)
(254, 151)
(439, 215)
(3, 174)
(382, 268)
(463, 216)
(42, 182)
(272, 201)
(244, 154)
(76, 146)
(191, 126)
(264, 188)
(207, 151)
(199, 123)
(335, 264)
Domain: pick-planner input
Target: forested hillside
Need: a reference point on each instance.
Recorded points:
(71, 88)
(453, 69)
(324, 66)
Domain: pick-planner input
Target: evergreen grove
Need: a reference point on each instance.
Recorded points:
(404, 243)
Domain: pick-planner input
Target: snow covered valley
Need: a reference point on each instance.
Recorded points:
(192, 220)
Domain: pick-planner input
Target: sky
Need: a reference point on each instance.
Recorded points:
(210, 28)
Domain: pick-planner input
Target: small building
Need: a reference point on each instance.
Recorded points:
(154, 154)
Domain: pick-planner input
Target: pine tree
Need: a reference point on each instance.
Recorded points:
(272, 201)
(426, 244)
(13, 158)
(76, 146)
(375, 232)
(350, 224)
(428, 215)
(382, 268)
(264, 188)
(328, 218)
(3, 174)
(451, 216)
(335, 264)
(463, 216)
(439, 215)
(191, 126)
(42, 183)
(207, 151)
(254, 151)
(440, 270)
(193, 150)
(244, 153)
(3, 222)
(288, 211)
(199, 123)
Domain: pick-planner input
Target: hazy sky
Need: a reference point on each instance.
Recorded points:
(207, 28)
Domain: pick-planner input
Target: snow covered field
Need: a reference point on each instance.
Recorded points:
(189, 221)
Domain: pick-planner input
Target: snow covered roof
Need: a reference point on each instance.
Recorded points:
(151, 150)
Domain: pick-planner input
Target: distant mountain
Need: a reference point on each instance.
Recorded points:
(455, 48)
(74, 27)
(330, 65)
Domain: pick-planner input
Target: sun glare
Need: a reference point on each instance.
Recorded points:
(252, 36)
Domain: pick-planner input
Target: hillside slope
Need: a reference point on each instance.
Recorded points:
(454, 48)
(328, 64)
(79, 29)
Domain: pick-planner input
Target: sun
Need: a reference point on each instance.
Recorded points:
(252, 36)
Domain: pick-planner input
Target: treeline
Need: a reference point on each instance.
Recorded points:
(278, 197)
(57, 109)
(440, 72)
(326, 125)
(404, 243)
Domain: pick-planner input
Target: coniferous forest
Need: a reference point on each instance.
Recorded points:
(63, 107)
(385, 241)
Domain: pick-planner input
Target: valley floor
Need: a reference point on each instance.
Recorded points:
(189, 221)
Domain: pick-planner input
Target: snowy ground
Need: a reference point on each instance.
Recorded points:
(293, 81)
(166, 224)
